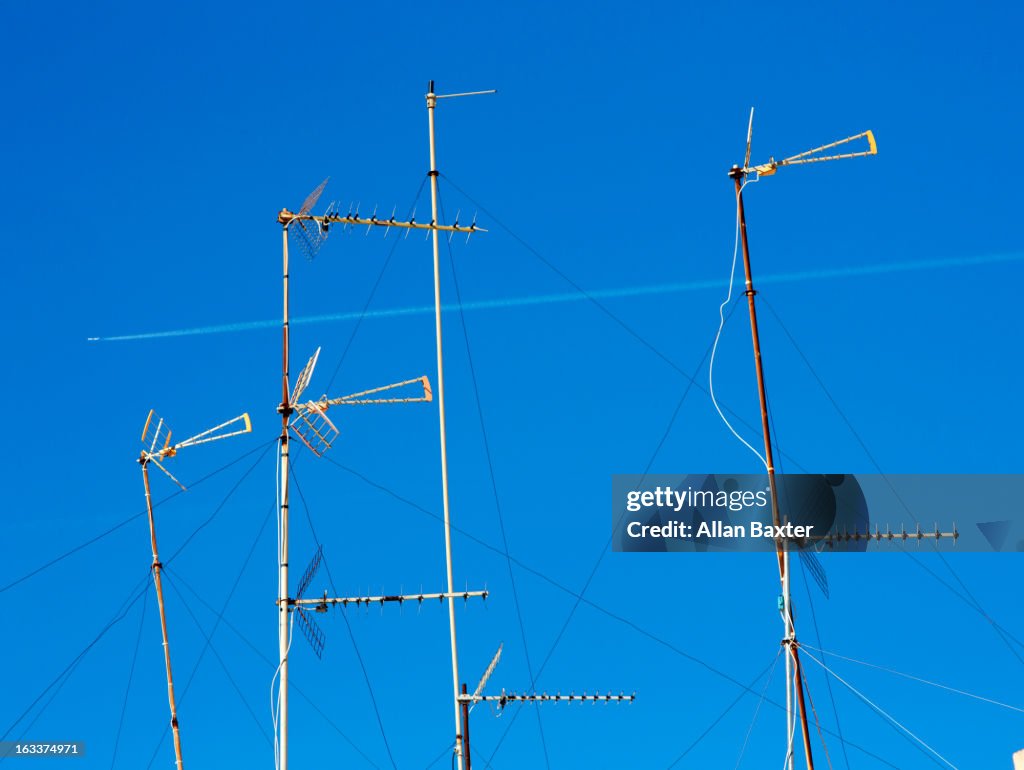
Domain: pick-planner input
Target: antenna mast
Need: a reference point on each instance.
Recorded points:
(431, 104)
(156, 442)
(740, 176)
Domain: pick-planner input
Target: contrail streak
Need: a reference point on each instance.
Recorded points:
(550, 299)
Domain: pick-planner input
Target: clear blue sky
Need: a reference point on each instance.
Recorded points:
(146, 153)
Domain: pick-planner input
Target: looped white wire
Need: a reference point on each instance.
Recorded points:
(718, 335)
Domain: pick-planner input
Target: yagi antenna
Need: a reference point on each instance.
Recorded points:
(156, 439)
(311, 423)
(815, 155)
(157, 446)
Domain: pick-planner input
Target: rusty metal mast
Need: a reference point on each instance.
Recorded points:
(156, 442)
(740, 176)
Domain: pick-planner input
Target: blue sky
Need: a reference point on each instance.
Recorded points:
(147, 153)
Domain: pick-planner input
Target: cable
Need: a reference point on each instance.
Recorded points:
(220, 616)
(131, 673)
(351, 635)
(291, 683)
(607, 546)
(972, 602)
(590, 603)
(223, 665)
(1018, 709)
(828, 682)
(718, 335)
(599, 305)
(373, 290)
(116, 527)
(880, 711)
(724, 713)
(817, 723)
(494, 487)
(757, 710)
(135, 594)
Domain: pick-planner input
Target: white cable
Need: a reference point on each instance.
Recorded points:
(919, 679)
(275, 704)
(864, 698)
(721, 325)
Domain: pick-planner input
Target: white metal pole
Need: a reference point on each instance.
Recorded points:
(282, 607)
(431, 103)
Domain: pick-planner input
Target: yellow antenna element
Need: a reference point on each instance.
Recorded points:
(812, 156)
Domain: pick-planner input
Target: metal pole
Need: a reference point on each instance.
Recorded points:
(736, 173)
(465, 728)
(282, 603)
(788, 637)
(431, 103)
(163, 618)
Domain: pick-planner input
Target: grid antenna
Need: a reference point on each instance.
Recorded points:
(310, 233)
(309, 627)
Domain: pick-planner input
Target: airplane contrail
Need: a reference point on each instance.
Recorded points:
(548, 299)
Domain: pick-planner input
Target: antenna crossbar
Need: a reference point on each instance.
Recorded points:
(506, 698)
(286, 217)
(321, 604)
(878, 535)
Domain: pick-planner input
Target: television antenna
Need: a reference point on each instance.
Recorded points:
(157, 447)
(311, 424)
(740, 176)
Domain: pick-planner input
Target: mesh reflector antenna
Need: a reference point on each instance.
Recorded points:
(487, 674)
(312, 198)
(309, 233)
(309, 627)
(313, 427)
(310, 573)
(302, 381)
(313, 633)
